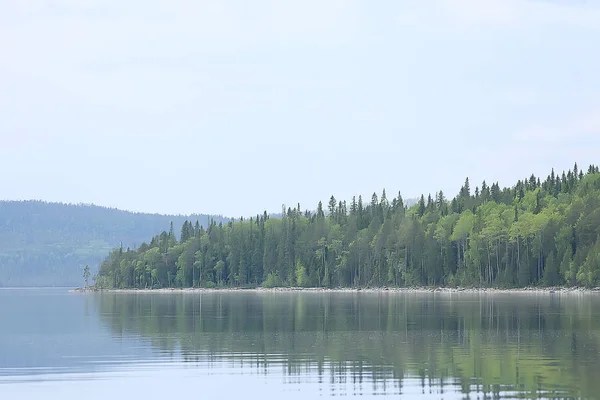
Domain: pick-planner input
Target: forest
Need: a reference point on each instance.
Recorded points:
(537, 232)
(49, 244)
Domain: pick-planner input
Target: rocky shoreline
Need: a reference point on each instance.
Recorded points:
(535, 290)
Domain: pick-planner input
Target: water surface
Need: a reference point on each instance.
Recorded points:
(55, 344)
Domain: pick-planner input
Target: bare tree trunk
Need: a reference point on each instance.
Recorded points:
(498, 259)
(489, 268)
(518, 254)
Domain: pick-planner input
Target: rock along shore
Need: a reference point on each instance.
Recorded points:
(537, 290)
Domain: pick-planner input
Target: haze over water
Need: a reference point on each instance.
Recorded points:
(55, 344)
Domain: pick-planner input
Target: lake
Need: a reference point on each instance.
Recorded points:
(60, 345)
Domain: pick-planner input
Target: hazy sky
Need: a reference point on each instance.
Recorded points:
(237, 106)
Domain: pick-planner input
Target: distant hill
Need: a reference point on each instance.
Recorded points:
(411, 202)
(48, 244)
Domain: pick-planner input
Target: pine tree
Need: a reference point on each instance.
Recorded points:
(353, 206)
(400, 203)
(320, 212)
(466, 191)
(485, 192)
(186, 232)
(360, 213)
(422, 207)
(430, 204)
(331, 207)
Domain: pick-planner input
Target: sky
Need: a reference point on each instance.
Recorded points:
(235, 107)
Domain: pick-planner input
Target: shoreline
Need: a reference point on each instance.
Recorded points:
(529, 290)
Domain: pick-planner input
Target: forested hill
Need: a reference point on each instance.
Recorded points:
(48, 244)
(537, 232)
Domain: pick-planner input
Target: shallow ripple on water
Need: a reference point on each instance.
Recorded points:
(152, 380)
(299, 346)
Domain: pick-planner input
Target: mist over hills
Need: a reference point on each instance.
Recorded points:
(48, 244)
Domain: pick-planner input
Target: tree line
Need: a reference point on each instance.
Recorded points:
(533, 233)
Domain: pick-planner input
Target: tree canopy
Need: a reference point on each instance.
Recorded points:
(533, 233)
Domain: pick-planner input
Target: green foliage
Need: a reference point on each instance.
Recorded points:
(301, 276)
(534, 233)
(273, 280)
(589, 273)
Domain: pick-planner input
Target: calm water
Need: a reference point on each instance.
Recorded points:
(55, 344)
